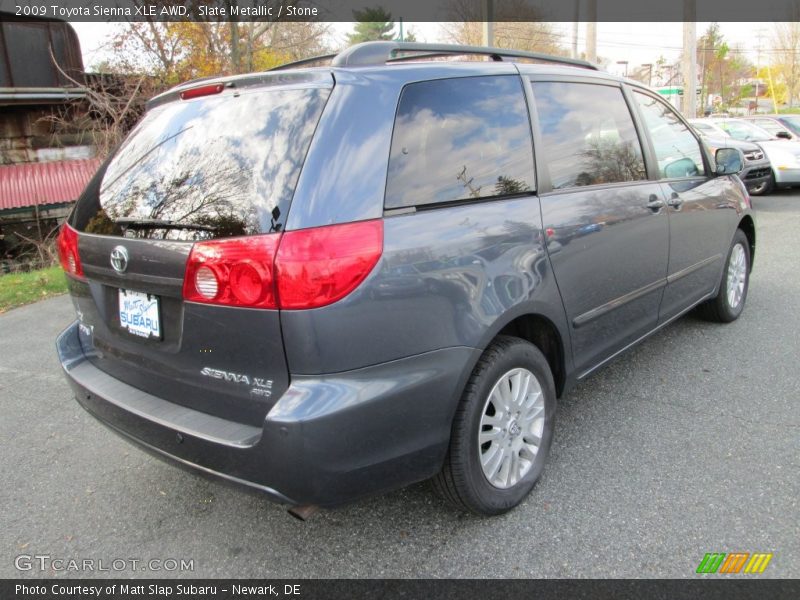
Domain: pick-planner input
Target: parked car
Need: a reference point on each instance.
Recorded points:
(236, 267)
(757, 172)
(781, 126)
(783, 155)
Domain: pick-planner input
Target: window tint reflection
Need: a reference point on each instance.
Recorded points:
(677, 151)
(458, 139)
(589, 137)
(215, 167)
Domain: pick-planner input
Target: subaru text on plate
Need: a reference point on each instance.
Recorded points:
(328, 282)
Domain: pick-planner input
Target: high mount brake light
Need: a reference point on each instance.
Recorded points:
(68, 255)
(203, 90)
(302, 269)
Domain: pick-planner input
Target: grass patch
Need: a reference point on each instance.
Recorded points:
(18, 289)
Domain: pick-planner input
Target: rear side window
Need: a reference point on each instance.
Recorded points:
(769, 125)
(460, 139)
(212, 167)
(588, 134)
(677, 150)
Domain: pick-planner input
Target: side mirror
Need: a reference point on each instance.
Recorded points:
(729, 161)
(784, 135)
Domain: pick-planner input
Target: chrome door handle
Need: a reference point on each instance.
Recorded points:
(654, 202)
(675, 201)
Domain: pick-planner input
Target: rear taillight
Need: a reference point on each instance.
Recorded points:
(67, 245)
(300, 269)
(232, 272)
(319, 266)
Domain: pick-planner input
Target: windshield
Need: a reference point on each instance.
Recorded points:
(744, 131)
(212, 167)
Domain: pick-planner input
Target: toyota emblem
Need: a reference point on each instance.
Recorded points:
(119, 259)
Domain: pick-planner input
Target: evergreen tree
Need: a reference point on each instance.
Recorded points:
(373, 24)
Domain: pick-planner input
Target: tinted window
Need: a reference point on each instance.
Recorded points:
(459, 139)
(769, 125)
(707, 129)
(588, 134)
(744, 131)
(213, 167)
(677, 150)
(792, 123)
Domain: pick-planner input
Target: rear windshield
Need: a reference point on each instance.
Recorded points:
(211, 167)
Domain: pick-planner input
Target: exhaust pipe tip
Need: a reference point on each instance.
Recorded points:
(302, 513)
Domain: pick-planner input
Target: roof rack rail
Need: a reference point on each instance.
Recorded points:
(379, 53)
(303, 62)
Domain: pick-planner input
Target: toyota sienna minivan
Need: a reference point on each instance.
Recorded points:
(333, 281)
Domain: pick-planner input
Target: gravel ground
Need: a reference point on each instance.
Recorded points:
(688, 444)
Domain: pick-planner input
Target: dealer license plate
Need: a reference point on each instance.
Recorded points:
(139, 314)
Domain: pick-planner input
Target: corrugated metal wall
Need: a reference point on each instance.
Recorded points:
(44, 183)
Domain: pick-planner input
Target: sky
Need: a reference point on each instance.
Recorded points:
(634, 43)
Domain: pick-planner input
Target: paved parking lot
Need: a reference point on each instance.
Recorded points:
(689, 444)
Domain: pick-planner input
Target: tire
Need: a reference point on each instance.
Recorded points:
(728, 304)
(765, 187)
(463, 480)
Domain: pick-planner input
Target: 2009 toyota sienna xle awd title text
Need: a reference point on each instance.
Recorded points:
(334, 281)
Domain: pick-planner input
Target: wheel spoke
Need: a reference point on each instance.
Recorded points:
(489, 436)
(534, 411)
(500, 398)
(514, 470)
(528, 453)
(493, 460)
(505, 469)
(495, 420)
(532, 439)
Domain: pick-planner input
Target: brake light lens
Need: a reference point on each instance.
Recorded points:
(303, 269)
(232, 272)
(203, 90)
(67, 244)
(316, 267)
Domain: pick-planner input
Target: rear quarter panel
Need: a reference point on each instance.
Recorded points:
(448, 277)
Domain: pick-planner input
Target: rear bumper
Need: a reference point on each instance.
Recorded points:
(328, 440)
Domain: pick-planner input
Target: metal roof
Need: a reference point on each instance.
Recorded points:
(30, 184)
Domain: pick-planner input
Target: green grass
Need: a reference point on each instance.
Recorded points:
(18, 289)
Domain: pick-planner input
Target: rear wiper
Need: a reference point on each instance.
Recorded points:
(127, 223)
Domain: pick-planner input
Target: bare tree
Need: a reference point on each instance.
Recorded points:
(786, 57)
(105, 114)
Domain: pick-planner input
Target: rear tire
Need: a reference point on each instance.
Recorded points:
(502, 430)
(728, 304)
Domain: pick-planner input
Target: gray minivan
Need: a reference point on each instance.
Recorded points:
(328, 282)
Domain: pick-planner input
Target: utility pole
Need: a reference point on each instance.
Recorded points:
(591, 31)
(487, 8)
(689, 59)
(758, 67)
(575, 29)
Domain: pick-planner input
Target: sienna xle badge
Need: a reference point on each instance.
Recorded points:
(325, 282)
